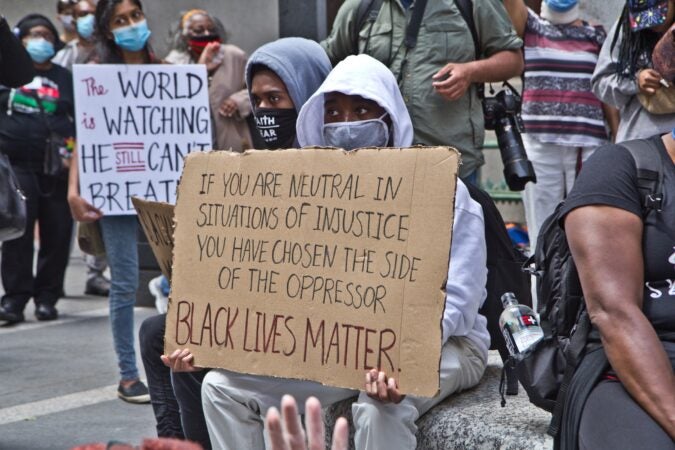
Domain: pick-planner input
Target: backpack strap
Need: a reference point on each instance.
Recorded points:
(367, 11)
(466, 10)
(649, 173)
(413, 28)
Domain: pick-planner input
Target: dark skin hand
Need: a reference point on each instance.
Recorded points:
(606, 244)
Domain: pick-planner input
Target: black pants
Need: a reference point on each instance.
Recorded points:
(613, 420)
(47, 204)
(175, 397)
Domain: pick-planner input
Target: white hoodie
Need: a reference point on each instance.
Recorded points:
(467, 273)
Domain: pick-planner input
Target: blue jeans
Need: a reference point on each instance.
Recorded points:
(119, 237)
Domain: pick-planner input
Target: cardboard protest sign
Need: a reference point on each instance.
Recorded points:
(156, 219)
(135, 123)
(314, 264)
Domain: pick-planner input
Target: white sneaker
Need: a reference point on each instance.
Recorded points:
(161, 300)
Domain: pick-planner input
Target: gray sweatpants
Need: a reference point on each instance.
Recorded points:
(235, 404)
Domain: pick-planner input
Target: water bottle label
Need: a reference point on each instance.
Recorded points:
(528, 320)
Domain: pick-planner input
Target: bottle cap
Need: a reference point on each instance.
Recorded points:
(508, 298)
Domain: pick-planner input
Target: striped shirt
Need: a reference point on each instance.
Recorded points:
(558, 105)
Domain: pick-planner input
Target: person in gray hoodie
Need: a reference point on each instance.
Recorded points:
(280, 77)
(360, 105)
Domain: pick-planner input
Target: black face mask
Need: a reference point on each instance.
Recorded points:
(276, 126)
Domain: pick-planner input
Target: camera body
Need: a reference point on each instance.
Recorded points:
(502, 114)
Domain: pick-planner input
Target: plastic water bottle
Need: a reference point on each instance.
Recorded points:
(519, 325)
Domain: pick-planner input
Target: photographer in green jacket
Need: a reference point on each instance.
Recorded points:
(438, 76)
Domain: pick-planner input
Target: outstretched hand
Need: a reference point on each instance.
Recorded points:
(290, 435)
(181, 360)
(382, 388)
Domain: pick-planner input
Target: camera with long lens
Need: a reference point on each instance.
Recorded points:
(502, 114)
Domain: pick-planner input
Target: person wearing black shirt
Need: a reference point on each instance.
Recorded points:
(626, 265)
(28, 115)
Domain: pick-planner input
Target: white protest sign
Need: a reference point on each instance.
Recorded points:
(135, 123)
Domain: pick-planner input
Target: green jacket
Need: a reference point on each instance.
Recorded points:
(443, 37)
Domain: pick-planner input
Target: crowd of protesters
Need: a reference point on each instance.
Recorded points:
(584, 91)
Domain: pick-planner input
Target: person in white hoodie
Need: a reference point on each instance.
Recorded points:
(358, 105)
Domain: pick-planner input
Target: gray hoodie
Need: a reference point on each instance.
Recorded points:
(300, 63)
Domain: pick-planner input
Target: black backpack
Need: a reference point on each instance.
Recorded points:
(545, 370)
(505, 274)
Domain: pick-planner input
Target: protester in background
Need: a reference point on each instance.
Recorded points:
(122, 38)
(361, 94)
(201, 38)
(564, 121)
(28, 116)
(439, 76)
(79, 50)
(16, 65)
(64, 11)
(624, 68)
(281, 76)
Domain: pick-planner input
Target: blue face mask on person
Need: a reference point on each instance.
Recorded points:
(40, 50)
(351, 135)
(133, 37)
(85, 26)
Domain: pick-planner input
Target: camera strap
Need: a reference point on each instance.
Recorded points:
(411, 33)
(466, 10)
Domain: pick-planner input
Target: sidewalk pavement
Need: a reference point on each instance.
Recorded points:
(58, 380)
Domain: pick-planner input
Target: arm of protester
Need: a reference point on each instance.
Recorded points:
(605, 83)
(16, 67)
(239, 104)
(467, 274)
(286, 433)
(209, 56)
(81, 210)
(454, 79)
(612, 117)
(181, 360)
(606, 244)
(383, 388)
(517, 11)
(341, 41)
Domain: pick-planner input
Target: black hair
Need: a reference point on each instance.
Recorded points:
(62, 5)
(635, 48)
(107, 51)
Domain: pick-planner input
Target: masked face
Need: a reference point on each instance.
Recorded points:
(132, 37)
(352, 121)
(198, 43)
(67, 22)
(40, 49)
(362, 133)
(276, 126)
(85, 26)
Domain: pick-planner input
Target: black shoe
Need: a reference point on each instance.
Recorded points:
(46, 312)
(134, 393)
(98, 285)
(10, 314)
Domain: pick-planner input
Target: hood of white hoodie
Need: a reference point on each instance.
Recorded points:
(357, 75)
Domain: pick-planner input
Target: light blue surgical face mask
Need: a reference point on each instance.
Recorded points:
(133, 37)
(85, 26)
(40, 49)
(351, 135)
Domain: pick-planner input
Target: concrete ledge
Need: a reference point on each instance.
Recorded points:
(473, 419)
